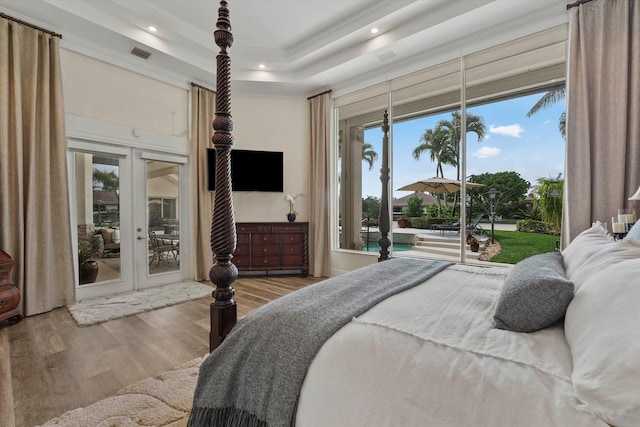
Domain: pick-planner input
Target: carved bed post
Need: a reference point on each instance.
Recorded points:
(223, 227)
(383, 221)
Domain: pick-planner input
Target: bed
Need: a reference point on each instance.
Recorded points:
(551, 341)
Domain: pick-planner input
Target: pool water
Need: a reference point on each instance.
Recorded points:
(397, 247)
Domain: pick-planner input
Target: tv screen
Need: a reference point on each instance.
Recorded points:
(251, 170)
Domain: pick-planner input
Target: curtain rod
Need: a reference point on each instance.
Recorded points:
(578, 3)
(26, 24)
(321, 93)
(202, 87)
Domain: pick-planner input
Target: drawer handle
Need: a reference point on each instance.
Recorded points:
(4, 302)
(265, 262)
(265, 250)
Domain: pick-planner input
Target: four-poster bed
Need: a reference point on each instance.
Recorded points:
(423, 342)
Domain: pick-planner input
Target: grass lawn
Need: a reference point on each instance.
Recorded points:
(517, 245)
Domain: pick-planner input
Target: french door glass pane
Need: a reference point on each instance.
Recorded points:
(98, 216)
(163, 224)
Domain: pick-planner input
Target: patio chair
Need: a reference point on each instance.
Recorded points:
(473, 226)
(161, 250)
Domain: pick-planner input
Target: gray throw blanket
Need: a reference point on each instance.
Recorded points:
(254, 378)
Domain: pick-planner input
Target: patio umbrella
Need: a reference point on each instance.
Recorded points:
(437, 185)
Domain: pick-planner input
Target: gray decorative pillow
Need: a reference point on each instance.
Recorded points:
(634, 233)
(535, 295)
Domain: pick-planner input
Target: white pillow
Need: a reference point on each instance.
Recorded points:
(607, 255)
(602, 328)
(582, 247)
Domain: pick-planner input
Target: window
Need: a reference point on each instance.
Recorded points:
(501, 77)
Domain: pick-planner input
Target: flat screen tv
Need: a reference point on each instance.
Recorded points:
(251, 170)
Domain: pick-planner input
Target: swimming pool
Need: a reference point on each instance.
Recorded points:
(397, 247)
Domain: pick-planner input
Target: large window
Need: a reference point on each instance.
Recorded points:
(496, 88)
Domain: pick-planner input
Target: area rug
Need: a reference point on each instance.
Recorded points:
(164, 400)
(97, 310)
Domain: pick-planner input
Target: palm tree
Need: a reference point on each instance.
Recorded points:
(548, 199)
(475, 124)
(548, 99)
(443, 142)
(109, 181)
(369, 155)
(436, 143)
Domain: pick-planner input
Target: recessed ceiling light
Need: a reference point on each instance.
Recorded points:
(374, 31)
(152, 28)
(262, 66)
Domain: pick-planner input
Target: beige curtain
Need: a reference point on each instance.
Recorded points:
(603, 111)
(203, 112)
(35, 225)
(319, 107)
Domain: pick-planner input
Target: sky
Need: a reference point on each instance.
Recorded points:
(531, 146)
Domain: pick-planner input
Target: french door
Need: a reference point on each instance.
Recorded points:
(129, 208)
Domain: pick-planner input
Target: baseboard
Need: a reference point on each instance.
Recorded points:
(7, 417)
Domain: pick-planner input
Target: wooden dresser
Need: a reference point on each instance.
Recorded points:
(281, 247)
(9, 293)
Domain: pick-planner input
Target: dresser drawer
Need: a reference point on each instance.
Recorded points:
(265, 250)
(242, 262)
(301, 228)
(262, 262)
(242, 228)
(242, 250)
(263, 239)
(292, 261)
(293, 238)
(295, 249)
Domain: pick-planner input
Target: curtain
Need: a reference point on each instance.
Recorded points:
(203, 112)
(35, 227)
(603, 107)
(319, 107)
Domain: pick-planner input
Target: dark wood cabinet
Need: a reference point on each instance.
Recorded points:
(272, 247)
(9, 293)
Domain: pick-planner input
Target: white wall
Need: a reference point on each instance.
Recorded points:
(273, 124)
(97, 90)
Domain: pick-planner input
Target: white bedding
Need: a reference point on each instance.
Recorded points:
(430, 356)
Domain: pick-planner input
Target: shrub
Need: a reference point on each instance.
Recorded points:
(420, 222)
(413, 208)
(533, 226)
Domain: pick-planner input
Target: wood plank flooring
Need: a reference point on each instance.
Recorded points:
(55, 366)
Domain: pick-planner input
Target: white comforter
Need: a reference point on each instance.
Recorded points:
(431, 357)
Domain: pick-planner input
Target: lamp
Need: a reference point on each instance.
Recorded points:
(636, 195)
(493, 193)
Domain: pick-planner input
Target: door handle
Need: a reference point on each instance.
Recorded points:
(141, 238)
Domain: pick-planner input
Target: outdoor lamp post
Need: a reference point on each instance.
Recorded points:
(493, 193)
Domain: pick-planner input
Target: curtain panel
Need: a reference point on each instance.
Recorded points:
(35, 227)
(320, 113)
(603, 106)
(203, 112)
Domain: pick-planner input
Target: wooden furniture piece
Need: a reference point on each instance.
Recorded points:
(9, 293)
(272, 246)
(224, 313)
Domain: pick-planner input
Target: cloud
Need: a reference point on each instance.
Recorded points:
(510, 130)
(486, 152)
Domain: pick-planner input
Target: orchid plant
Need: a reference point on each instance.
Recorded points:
(291, 200)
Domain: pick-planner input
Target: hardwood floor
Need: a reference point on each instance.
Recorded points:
(55, 366)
